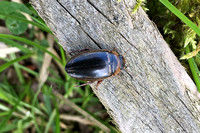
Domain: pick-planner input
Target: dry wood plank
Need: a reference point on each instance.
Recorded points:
(154, 93)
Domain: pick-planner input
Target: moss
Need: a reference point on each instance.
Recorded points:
(176, 33)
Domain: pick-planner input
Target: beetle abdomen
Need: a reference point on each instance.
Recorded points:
(92, 66)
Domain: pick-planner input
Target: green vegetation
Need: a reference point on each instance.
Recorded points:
(179, 21)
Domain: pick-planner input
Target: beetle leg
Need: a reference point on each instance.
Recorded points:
(98, 83)
(78, 51)
(88, 82)
(114, 49)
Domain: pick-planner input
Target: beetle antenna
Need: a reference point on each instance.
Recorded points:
(126, 52)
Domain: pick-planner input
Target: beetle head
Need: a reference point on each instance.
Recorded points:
(122, 59)
(122, 62)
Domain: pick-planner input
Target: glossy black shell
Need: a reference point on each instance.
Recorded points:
(94, 65)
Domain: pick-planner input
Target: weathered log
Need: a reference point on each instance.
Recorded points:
(154, 93)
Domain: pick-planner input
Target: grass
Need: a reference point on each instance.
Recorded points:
(194, 69)
(30, 43)
(181, 16)
(9, 63)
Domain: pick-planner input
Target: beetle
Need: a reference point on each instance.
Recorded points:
(95, 65)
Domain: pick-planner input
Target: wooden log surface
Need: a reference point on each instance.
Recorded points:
(154, 93)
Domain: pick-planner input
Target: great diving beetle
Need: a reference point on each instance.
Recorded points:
(95, 65)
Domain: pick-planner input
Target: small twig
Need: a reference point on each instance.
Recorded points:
(77, 119)
(83, 112)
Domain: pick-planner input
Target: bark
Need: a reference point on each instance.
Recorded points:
(154, 93)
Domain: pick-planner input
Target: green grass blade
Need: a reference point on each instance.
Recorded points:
(33, 111)
(7, 97)
(6, 65)
(41, 23)
(62, 54)
(8, 128)
(28, 70)
(30, 43)
(56, 80)
(19, 126)
(68, 89)
(27, 21)
(57, 118)
(15, 105)
(181, 16)
(47, 100)
(51, 120)
(15, 44)
(17, 69)
(194, 69)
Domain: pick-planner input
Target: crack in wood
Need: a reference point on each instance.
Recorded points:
(103, 16)
(148, 125)
(68, 12)
(126, 7)
(186, 107)
(99, 11)
(79, 24)
(171, 114)
(91, 38)
(159, 125)
(178, 122)
(110, 22)
(127, 40)
(191, 101)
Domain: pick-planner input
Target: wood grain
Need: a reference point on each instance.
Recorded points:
(154, 93)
